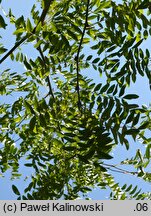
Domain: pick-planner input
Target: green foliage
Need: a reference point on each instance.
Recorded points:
(66, 132)
(15, 190)
(2, 22)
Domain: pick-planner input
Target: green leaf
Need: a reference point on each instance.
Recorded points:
(85, 189)
(2, 50)
(2, 22)
(94, 47)
(95, 60)
(89, 58)
(140, 71)
(144, 125)
(131, 96)
(136, 120)
(27, 65)
(143, 5)
(29, 187)
(89, 154)
(102, 169)
(29, 107)
(19, 31)
(103, 155)
(111, 89)
(70, 148)
(137, 44)
(32, 123)
(132, 131)
(148, 151)
(28, 165)
(129, 188)
(104, 88)
(124, 186)
(30, 197)
(130, 118)
(134, 190)
(42, 120)
(29, 25)
(122, 91)
(147, 53)
(111, 48)
(97, 87)
(72, 35)
(15, 190)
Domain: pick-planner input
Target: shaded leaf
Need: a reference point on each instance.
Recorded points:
(132, 131)
(131, 96)
(144, 126)
(2, 22)
(15, 190)
(2, 50)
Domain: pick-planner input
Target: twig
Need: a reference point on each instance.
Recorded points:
(117, 169)
(45, 66)
(78, 53)
(41, 19)
(14, 48)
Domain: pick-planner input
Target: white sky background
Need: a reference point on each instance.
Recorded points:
(141, 87)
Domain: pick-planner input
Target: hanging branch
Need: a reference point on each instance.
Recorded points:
(41, 19)
(78, 53)
(114, 168)
(45, 67)
(47, 78)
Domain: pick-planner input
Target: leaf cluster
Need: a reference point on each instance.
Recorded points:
(65, 123)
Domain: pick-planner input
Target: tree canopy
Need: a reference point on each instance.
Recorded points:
(62, 123)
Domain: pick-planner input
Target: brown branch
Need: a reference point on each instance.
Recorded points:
(41, 19)
(78, 53)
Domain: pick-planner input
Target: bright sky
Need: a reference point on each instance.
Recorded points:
(140, 87)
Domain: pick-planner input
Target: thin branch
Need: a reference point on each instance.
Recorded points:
(41, 19)
(47, 78)
(14, 48)
(117, 169)
(78, 53)
(15, 141)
